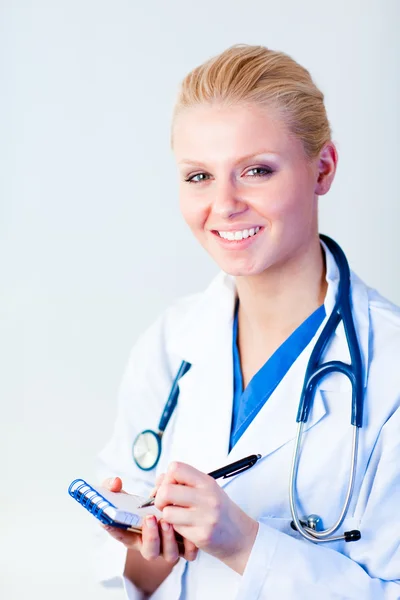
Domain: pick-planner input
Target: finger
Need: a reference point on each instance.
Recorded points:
(179, 495)
(128, 538)
(178, 516)
(159, 481)
(170, 549)
(179, 472)
(114, 484)
(191, 550)
(150, 538)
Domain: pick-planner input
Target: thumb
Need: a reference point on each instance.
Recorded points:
(158, 483)
(114, 484)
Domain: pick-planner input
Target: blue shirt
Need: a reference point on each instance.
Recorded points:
(247, 403)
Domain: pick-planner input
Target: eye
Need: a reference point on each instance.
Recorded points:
(191, 179)
(199, 177)
(265, 171)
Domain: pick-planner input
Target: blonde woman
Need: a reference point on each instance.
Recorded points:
(254, 152)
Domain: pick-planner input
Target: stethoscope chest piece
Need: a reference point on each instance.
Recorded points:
(146, 449)
(312, 522)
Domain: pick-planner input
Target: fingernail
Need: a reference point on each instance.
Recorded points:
(165, 526)
(151, 522)
(111, 481)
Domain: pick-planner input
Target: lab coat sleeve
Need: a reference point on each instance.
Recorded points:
(290, 568)
(142, 393)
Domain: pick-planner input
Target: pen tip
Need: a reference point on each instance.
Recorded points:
(258, 455)
(146, 504)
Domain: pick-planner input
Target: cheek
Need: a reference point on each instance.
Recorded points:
(194, 213)
(286, 201)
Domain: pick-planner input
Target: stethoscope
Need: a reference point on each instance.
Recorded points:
(147, 446)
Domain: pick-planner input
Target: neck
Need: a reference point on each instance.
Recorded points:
(282, 297)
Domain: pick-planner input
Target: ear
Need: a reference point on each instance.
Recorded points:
(326, 168)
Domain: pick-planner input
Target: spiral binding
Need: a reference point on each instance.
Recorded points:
(90, 499)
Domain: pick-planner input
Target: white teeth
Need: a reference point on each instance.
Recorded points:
(239, 235)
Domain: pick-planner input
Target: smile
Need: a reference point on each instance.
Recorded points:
(238, 239)
(239, 235)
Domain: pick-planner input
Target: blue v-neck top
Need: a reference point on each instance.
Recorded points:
(247, 403)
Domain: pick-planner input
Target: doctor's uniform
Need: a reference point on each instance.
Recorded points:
(213, 426)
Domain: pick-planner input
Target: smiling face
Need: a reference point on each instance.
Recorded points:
(240, 169)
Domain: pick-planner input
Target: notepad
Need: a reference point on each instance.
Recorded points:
(111, 508)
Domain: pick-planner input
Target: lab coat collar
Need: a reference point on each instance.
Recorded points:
(206, 390)
(211, 314)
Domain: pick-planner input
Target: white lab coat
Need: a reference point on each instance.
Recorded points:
(198, 329)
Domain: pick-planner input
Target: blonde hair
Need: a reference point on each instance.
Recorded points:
(245, 74)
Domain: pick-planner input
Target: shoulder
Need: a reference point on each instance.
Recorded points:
(385, 321)
(384, 341)
(171, 320)
(178, 317)
(153, 346)
(384, 315)
(175, 315)
(154, 338)
(383, 352)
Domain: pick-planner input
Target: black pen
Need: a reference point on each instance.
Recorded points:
(228, 471)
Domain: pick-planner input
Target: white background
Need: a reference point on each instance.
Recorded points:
(92, 245)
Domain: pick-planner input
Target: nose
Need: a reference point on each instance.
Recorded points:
(226, 201)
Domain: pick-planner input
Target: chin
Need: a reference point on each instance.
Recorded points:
(241, 270)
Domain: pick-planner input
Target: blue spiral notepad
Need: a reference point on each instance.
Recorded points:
(116, 509)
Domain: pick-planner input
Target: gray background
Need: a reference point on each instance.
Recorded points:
(92, 245)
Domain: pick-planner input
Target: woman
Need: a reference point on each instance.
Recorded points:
(254, 151)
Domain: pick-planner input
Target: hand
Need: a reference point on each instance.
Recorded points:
(203, 513)
(156, 539)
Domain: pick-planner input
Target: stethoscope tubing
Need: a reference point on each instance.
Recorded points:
(172, 398)
(315, 372)
(311, 534)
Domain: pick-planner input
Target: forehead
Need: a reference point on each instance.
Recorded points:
(215, 131)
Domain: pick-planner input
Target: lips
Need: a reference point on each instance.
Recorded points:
(237, 243)
(239, 234)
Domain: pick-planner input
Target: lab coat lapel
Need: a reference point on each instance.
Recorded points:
(203, 420)
(275, 424)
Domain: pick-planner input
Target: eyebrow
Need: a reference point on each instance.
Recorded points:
(242, 159)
